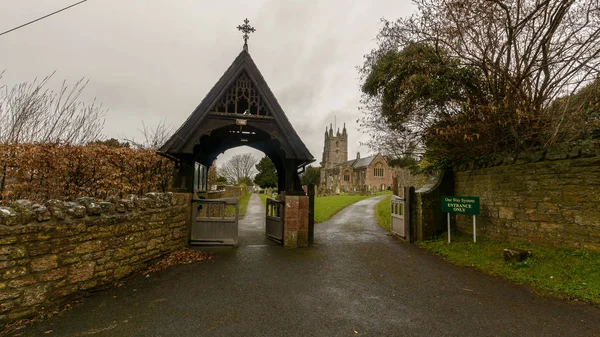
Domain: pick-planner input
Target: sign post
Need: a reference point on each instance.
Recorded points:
(462, 205)
(448, 227)
(474, 228)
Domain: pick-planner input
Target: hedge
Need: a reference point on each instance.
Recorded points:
(66, 172)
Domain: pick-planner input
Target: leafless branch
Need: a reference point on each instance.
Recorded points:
(152, 138)
(31, 113)
(531, 54)
(239, 167)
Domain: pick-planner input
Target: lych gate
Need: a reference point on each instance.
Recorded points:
(241, 110)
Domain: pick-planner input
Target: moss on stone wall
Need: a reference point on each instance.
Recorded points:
(550, 197)
(54, 252)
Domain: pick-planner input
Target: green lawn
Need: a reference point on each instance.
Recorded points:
(564, 273)
(383, 212)
(326, 207)
(263, 198)
(384, 193)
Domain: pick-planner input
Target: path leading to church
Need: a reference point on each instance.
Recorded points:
(355, 281)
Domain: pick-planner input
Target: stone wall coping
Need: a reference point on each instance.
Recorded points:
(559, 151)
(25, 212)
(433, 182)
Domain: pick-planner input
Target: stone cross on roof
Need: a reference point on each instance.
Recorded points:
(246, 29)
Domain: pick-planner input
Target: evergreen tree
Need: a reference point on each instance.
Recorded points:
(267, 174)
(312, 175)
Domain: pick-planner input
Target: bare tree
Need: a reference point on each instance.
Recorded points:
(527, 55)
(540, 49)
(31, 113)
(390, 142)
(152, 139)
(240, 167)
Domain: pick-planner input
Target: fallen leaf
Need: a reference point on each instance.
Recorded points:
(356, 332)
(181, 256)
(49, 331)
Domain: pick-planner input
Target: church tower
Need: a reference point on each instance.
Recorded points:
(335, 149)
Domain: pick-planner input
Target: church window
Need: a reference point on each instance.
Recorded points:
(378, 172)
(346, 177)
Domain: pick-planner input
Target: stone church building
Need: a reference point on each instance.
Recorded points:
(338, 174)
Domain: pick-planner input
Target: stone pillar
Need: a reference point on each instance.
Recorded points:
(295, 225)
(185, 199)
(430, 221)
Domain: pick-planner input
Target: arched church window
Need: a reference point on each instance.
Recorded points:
(378, 171)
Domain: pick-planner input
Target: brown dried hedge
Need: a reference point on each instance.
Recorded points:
(46, 171)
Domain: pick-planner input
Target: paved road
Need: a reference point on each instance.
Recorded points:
(356, 280)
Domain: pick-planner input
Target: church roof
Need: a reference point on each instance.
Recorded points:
(362, 162)
(243, 63)
(359, 163)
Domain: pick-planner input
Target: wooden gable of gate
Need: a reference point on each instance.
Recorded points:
(241, 78)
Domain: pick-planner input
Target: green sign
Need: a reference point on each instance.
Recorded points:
(461, 205)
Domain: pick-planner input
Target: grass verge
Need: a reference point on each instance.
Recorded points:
(244, 200)
(383, 212)
(263, 198)
(563, 273)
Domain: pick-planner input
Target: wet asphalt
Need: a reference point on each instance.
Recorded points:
(355, 281)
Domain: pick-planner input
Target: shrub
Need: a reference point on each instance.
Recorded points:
(49, 171)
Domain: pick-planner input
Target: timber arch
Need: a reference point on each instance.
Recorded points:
(242, 110)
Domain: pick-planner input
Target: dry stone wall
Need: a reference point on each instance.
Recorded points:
(551, 197)
(54, 252)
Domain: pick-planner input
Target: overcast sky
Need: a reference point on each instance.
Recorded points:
(156, 59)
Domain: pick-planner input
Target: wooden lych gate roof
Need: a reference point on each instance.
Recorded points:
(186, 137)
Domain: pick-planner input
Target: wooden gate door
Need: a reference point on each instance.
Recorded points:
(215, 222)
(400, 225)
(274, 220)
